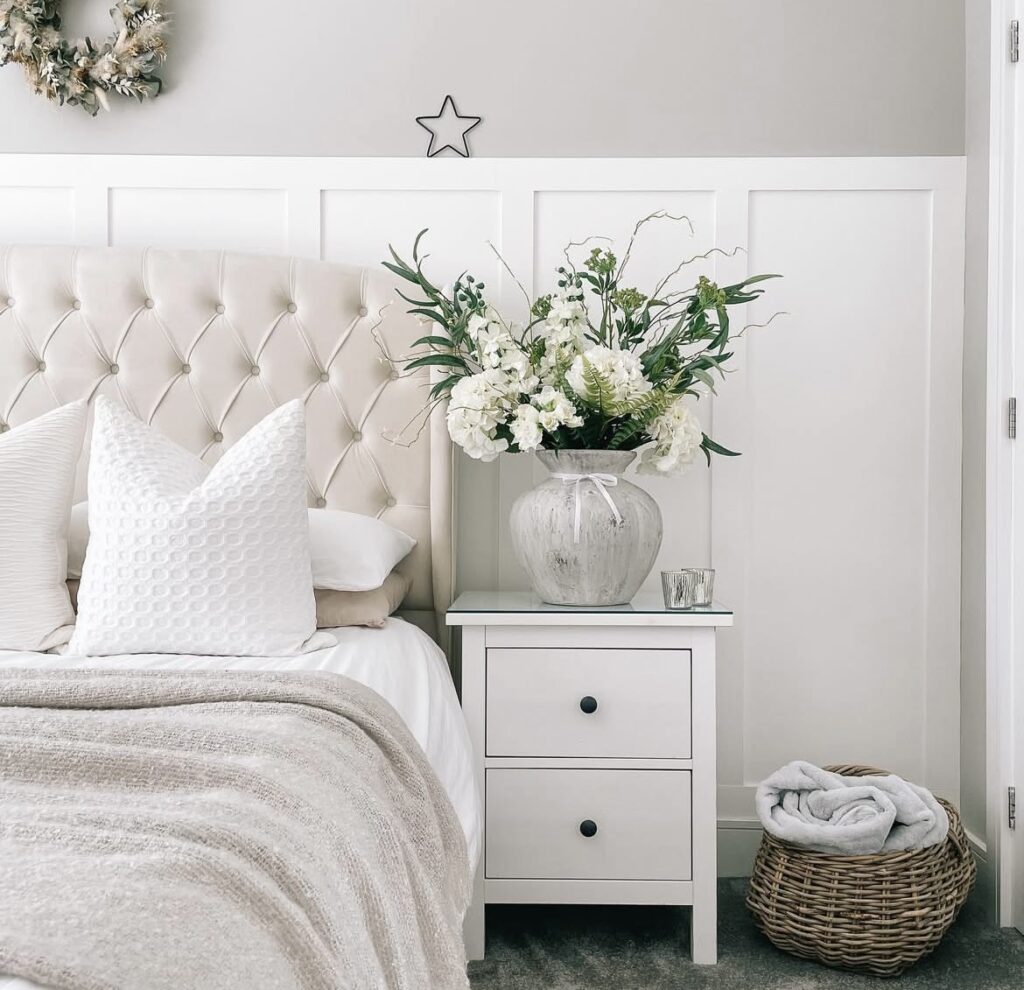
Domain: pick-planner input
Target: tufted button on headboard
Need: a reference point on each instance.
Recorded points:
(203, 344)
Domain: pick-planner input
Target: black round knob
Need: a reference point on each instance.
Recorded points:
(588, 828)
(588, 705)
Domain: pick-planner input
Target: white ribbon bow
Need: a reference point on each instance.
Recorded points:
(600, 481)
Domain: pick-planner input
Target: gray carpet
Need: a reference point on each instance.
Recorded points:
(646, 948)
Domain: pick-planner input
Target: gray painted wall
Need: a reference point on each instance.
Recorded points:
(550, 78)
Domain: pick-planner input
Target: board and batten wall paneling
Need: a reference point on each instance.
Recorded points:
(836, 535)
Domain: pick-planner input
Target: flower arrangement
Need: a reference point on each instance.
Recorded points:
(598, 365)
(82, 73)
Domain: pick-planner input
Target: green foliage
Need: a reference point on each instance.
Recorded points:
(541, 307)
(628, 300)
(600, 262)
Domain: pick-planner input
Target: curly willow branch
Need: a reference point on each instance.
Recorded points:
(656, 294)
(657, 215)
(575, 244)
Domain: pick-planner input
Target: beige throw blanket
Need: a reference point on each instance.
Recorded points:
(169, 829)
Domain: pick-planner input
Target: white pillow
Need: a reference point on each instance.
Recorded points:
(78, 538)
(182, 560)
(37, 479)
(350, 552)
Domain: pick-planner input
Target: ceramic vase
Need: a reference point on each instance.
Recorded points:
(585, 535)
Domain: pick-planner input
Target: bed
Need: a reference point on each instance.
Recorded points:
(201, 345)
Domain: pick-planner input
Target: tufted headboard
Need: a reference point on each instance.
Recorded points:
(203, 344)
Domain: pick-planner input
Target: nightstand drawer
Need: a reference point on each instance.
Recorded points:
(588, 824)
(588, 703)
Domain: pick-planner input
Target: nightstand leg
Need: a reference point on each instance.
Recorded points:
(704, 934)
(704, 824)
(473, 925)
(474, 702)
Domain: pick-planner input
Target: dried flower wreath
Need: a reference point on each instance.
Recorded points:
(80, 73)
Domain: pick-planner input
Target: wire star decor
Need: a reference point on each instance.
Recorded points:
(448, 129)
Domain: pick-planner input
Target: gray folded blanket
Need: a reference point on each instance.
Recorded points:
(184, 830)
(854, 816)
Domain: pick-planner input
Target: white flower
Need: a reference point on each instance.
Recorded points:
(677, 438)
(481, 321)
(492, 340)
(477, 322)
(562, 343)
(621, 374)
(521, 375)
(526, 429)
(479, 404)
(567, 308)
(555, 410)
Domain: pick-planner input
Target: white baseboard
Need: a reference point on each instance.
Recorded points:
(738, 839)
(985, 887)
(978, 845)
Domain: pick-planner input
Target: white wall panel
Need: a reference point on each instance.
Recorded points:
(234, 219)
(36, 215)
(835, 535)
(838, 469)
(359, 224)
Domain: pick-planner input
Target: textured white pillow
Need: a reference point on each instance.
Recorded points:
(37, 479)
(350, 552)
(182, 560)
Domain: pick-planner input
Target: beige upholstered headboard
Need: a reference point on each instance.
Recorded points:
(203, 344)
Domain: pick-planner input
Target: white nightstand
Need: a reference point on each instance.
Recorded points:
(594, 739)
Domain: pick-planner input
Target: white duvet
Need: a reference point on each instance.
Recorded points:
(399, 661)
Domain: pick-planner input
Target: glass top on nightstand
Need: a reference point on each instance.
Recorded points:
(526, 602)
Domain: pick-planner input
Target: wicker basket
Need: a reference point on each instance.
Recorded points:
(877, 914)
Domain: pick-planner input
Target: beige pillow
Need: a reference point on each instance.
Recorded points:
(361, 608)
(343, 608)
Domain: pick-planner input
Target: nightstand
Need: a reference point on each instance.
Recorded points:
(594, 744)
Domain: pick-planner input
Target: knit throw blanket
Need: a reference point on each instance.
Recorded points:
(179, 829)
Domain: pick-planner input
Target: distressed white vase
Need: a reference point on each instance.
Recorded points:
(575, 546)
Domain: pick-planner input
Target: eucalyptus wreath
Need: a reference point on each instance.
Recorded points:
(82, 73)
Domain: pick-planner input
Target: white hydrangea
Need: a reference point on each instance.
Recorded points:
(479, 405)
(677, 437)
(621, 370)
(526, 428)
(554, 409)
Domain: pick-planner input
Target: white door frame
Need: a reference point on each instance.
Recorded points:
(1004, 466)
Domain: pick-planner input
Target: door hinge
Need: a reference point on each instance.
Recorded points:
(1014, 41)
(1011, 807)
(1011, 419)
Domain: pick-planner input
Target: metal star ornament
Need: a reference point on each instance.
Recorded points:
(448, 129)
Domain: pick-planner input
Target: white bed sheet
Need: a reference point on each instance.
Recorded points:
(400, 662)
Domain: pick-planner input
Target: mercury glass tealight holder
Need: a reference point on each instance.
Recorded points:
(690, 587)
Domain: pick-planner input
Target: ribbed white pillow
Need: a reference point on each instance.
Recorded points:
(185, 561)
(37, 479)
